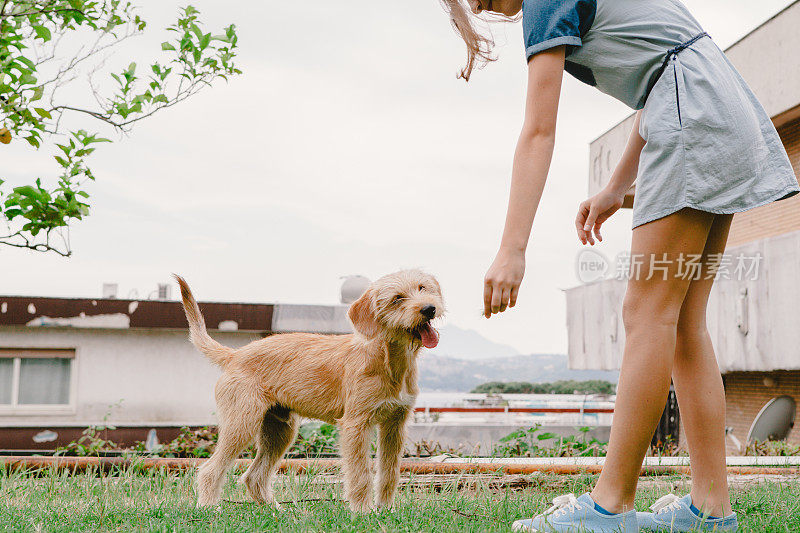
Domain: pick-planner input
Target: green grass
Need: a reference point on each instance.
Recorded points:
(160, 501)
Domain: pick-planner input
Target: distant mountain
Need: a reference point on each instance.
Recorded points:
(438, 373)
(464, 359)
(469, 344)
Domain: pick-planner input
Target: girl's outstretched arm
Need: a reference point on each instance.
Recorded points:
(531, 165)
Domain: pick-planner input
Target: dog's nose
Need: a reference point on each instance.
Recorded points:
(429, 311)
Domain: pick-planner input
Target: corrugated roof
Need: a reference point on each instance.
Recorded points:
(112, 313)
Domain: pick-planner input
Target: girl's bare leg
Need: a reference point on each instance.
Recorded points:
(651, 312)
(698, 384)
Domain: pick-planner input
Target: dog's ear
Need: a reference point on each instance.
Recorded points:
(362, 315)
(436, 284)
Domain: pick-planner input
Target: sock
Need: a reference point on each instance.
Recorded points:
(698, 512)
(601, 510)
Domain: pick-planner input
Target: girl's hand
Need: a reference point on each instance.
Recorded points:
(594, 211)
(502, 281)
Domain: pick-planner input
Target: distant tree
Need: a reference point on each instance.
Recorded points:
(594, 386)
(39, 57)
(507, 387)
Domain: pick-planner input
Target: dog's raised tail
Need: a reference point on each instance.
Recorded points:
(215, 351)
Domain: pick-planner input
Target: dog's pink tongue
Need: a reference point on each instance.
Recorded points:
(429, 336)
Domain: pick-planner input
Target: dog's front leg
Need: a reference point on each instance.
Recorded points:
(354, 441)
(391, 433)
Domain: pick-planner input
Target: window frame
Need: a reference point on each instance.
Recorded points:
(17, 355)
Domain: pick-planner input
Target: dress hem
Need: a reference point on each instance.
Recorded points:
(786, 192)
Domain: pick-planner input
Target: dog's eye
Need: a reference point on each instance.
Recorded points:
(397, 299)
(422, 287)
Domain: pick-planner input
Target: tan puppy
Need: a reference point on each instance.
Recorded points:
(357, 381)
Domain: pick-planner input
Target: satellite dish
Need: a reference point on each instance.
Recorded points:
(774, 421)
(352, 288)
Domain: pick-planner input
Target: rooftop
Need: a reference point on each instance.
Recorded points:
(103, 313)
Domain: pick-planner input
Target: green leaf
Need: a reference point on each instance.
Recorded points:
(44, 113)
(42, 32)
(38, 92)
(27, 191)
(196, 29)
(27, 62)
(27, 79)
(167, 46)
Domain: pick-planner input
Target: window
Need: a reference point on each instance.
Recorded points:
(30, 378)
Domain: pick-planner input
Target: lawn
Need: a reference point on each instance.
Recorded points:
(131, 500)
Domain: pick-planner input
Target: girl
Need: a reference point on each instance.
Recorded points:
(702, 148)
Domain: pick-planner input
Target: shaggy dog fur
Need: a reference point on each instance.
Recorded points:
(356, 381)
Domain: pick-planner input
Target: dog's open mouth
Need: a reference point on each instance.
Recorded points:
(428, 335)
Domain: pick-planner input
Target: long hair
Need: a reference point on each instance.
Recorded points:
(479, 45)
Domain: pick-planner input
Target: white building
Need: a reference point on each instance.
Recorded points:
(67, 363)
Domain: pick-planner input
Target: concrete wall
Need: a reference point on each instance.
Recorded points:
(311, 318)
(752, 321)
(159, 376)
(604, 154)
(480, 439)
(768, 60)
(595, 334)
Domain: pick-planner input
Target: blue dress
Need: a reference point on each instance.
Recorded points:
(709, 143)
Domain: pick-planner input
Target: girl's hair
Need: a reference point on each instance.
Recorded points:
(479, 45)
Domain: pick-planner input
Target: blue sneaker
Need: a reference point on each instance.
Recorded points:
(674, 514)
(578, 515)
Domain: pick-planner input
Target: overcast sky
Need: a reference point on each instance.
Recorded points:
(348, 146)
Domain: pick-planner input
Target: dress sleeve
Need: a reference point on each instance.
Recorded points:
(550, 23)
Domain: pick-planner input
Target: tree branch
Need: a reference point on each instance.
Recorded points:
(93, 51)
(36, 247)
(106, 116)
(43, 11)
(32, 110)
